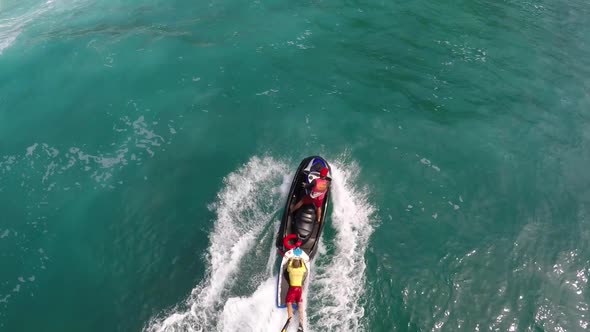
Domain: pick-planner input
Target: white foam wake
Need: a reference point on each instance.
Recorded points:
(246, 204)
(339, 285)
(257, 312)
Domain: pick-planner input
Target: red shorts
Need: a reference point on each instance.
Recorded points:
(315, 201)
(294, 295)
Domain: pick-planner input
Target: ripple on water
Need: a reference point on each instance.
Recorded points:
(44, 172)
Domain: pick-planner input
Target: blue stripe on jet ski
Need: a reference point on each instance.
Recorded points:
(315, 161)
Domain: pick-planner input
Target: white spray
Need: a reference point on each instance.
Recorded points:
(339, 285)
(244, 206)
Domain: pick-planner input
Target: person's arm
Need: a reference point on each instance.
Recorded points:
(309, 185)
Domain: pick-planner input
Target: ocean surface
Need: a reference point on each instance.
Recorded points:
(146, 149)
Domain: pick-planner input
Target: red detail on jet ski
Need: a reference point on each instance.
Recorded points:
(289, 237)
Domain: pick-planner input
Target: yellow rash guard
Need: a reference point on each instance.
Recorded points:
(296, 274)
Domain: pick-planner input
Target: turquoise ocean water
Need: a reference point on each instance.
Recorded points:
(146, 148)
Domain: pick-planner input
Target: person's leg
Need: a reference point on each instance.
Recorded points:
(297, 206)
(300, 309)
(289, 309)
(318, 202)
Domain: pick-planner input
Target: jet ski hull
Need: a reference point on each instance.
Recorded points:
(309, 233)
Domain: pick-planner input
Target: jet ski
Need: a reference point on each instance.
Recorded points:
(300, 229)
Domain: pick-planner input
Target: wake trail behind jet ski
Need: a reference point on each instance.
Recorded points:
(339, 281)
(245, 205)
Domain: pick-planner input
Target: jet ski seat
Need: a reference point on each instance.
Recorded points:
(304, 222)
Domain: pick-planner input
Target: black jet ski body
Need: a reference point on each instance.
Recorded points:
(303, 222)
